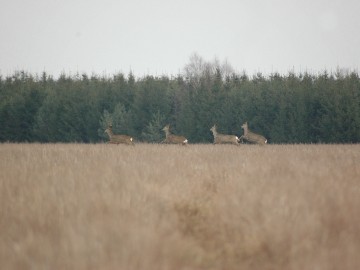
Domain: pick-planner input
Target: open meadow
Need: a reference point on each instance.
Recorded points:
(154, 207)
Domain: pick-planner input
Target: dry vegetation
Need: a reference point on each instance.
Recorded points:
(77, 206)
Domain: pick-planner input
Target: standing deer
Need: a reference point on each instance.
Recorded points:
(174, 139)
(222, 138)
(251, 136)
(116, 139)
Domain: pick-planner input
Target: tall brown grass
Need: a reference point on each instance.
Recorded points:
(77, 206)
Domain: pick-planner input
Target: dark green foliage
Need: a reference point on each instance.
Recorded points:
(290, 108)
(21, 96)
(153, 131)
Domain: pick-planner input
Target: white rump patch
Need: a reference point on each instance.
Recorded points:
(186, 141)
(265, 141)
(131, 139)
(237, 138)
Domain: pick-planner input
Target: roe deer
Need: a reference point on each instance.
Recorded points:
(116, 139)
(222, 138)
(251, 136)
(174, 139)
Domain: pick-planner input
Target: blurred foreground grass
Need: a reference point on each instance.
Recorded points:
(78, 206)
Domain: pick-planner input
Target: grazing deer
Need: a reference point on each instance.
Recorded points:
(222, 138)
(116, 139)
(174, 139)
(251, 136)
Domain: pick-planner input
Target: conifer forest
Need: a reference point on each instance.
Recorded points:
(285, 108)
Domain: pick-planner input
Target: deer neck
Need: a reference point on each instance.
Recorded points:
(214, 132)
(246, 130)
(167, 133)
(110, 133)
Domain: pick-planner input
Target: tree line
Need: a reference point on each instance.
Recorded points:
(290, 108)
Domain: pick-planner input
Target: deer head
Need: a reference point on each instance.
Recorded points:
(167, 127)
(213, 129)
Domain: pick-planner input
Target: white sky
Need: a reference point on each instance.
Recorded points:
(158, 36)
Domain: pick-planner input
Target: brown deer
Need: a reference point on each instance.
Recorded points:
(251, 136)
(116, 138)
(173, 139)
(222, 138)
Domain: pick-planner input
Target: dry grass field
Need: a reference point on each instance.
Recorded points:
(154, 207)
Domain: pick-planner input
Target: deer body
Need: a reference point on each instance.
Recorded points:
(116, 138)
(251, 136)
(173, 139)
(222, 138)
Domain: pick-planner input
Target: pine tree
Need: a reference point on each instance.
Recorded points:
(153, 131)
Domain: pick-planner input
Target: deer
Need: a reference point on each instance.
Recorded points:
(251, 136)
(173, 139)
(222, 138)
(116, 138)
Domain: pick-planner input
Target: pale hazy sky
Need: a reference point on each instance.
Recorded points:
(158, 36)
